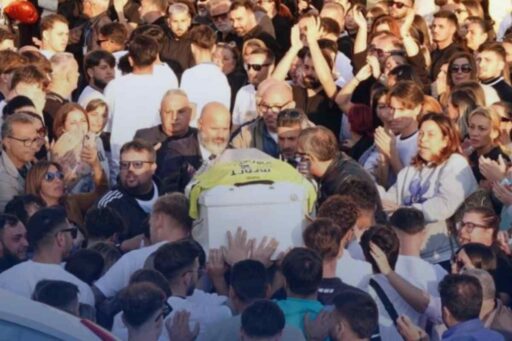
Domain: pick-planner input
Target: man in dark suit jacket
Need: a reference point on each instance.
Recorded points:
(175, 114)
(179, 159)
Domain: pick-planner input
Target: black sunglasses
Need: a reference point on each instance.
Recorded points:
(465, 68)
(72, 230)
(49, 176)
(256, 67)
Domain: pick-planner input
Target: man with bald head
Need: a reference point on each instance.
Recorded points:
(179, 159)
(262, 132)
(175, 115)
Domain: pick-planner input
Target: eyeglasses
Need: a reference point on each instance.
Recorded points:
(274, 108)
(380, 53)
(125, 165)
(464, 68)
(255, 67)
(72, 230)
(469, 226)
(100, 41)
(49, 176)
(28, 142)
(398, 5)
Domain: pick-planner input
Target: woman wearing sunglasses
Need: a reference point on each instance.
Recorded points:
(437, 182)
(481, 225)
(460, 70)
(46, 180)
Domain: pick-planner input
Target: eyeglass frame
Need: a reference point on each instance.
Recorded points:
(31, 142)
(255, 67)
(52, 176)
(132, 163)
(280, 108)
(459, 68)
(463, 224)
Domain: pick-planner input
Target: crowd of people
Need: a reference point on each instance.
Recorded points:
(399, 112)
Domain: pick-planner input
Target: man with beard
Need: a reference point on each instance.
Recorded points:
(136, 193)
(261, 133)
(290, 123)
(179, 159)
(51, 235)
(317, 61)
(99, 67)
(13, 241)
(219, 14)
(242, 14)
(179, 50)
(175, 114)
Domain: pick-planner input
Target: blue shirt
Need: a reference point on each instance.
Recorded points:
(471, 330)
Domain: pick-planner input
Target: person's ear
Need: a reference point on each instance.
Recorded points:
(60, 239)
(89, 73)
(44, 35)
(130, 60)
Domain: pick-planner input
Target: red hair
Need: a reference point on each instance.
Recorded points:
(361, 119)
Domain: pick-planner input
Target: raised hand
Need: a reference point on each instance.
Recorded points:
(239, 247)
(380, 259)
(264, 251)
(409, 331)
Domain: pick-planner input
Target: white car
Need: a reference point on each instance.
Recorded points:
(23, 319)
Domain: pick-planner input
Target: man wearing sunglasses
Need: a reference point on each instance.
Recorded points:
(219, 14)
(51, 235)
(259, 66)
(20, 143)
(136, 193)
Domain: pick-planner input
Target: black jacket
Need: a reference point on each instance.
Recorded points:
(177, 161)
(136, 220)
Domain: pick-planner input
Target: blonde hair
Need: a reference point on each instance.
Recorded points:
(492, 115)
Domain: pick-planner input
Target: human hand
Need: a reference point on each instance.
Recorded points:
(319, 328)
(313, 29)
(502, 240)
(239, 247)
(295, 39)
(375, 65)
(364, 73)
(409, 19)
(385, 141)
(380, 259)
(409, 331)
(119, 5)
(89, 155)
(492, 170)
(178, 327)
(502, 193)
(264, 251)
(216, 267)
(359, 19)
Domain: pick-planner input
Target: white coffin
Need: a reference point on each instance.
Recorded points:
(277, 211)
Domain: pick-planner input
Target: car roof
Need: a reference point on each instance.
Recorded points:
(43, 318)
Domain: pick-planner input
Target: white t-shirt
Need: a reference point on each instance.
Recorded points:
(344, 69)
(22, 279)
(88, 94)
(118, 276)
(245, 105)
(204, 308)
(205, 83)
(407, 148)
(387, 329)
(352, 271)
(420, 273)
(134, 103)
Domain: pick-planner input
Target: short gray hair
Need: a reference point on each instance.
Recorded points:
(178, 7)
(20, 117)
(486, 281)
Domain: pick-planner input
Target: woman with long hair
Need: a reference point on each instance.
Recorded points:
(437, 182)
